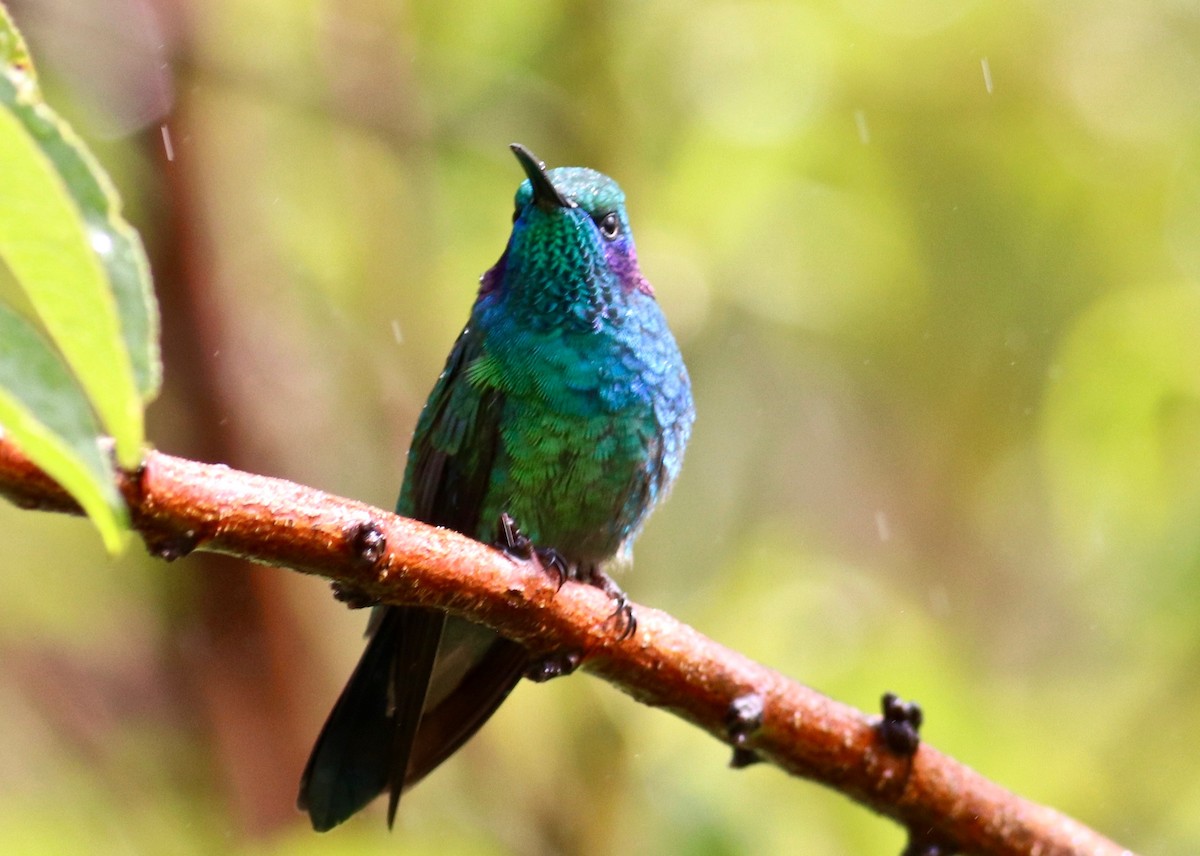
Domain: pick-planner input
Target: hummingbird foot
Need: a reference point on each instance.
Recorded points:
(517, 545)
(623, 615)
(511, 540)
(553, 564)
(901, 724)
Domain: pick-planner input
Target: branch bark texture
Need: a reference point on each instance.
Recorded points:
(179, 505)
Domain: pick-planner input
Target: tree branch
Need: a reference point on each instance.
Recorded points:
(179, 505)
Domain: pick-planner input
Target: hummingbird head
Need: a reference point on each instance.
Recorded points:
(570, 258)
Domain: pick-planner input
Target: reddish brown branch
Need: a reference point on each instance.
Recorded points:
(178, 505)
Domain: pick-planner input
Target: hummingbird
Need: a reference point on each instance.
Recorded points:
(564, 408)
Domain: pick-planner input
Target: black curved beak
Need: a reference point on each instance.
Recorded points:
(544, 193)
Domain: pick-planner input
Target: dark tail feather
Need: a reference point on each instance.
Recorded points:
(412, 669)
(455, 719)
(370, 730)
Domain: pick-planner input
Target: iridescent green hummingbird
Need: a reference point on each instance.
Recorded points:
(564, 407)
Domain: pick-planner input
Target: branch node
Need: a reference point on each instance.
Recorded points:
(368, 542)
(743, 758)
(742, 719)
(924, 844)
(556, 665)
(170, 546)
(901, 724)
(351, 595)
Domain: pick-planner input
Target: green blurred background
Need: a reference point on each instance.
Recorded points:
(934, 267)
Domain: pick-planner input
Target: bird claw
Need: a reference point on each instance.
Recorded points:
(517, 545)
(511, 540)
(554, 564)
(622, 616)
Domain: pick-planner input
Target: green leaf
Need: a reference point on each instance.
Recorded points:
(79, 262)
(46, 413)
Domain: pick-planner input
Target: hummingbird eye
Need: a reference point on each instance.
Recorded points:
(516, 215)
(610, 225)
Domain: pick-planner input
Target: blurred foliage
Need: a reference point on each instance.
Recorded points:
(934, 267)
